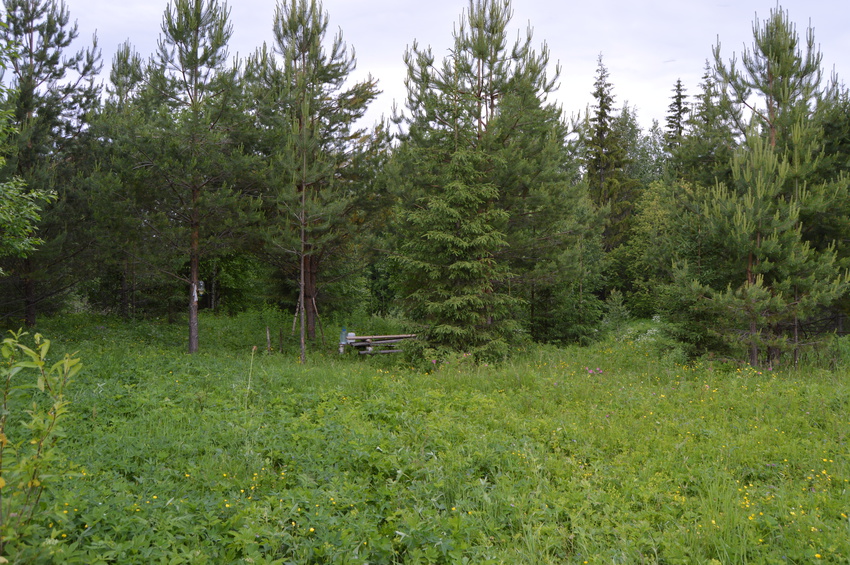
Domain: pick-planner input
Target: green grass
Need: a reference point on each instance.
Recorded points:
(360, 460)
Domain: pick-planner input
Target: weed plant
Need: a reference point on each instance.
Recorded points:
(611, 453)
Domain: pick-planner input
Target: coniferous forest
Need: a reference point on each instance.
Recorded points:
(629, 344)
(480, 215)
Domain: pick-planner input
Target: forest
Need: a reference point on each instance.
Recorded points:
(629, 343)
(479, 216)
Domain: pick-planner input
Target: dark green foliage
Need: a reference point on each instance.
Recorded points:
(51, 94)
(480, 137)
(20, 207)
(191, 201)
(704, 152)
(773, 278)
(453, 280)
(607, 159)
(677, 116)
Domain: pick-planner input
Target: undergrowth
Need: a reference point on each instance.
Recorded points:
(613, 453)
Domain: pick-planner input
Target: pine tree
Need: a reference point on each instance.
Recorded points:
(305, 115)
(779, 85)
(193, 204)
(764, 267)
(20, 208)
(775, 278)
(776, 72)
(52, 92)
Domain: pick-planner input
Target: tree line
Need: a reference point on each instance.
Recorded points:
(480, 211)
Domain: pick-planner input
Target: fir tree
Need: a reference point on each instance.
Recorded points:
(677, 116)
(606, 160)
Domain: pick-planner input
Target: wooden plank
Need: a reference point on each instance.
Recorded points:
(400, 336)
(368, 344)
(381, 342)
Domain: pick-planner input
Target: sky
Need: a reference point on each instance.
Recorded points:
(646, 45)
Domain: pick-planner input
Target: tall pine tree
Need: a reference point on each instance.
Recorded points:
(193, 204)
(314, 154)
(771, 274)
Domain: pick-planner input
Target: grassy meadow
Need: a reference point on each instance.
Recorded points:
(611, 453)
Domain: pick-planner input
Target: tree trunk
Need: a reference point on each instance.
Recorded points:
(194, 262)
(30, 298)
(125, 290)
(754, 348)
(311, 272)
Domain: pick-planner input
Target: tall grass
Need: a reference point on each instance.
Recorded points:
(605, 454)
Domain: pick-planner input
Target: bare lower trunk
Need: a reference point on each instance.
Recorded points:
(30, 298)
(194, 263)
(754, 348)
(125, 290)
(311, 270)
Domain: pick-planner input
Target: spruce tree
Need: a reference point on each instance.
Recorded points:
(116, 186)
(606, 159)
(677, 116)
(489, 208)
(704, 153)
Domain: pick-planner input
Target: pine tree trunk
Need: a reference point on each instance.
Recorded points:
(125, 290)
(30, 298)
(194, 266)
(754, 348)
(311, 272)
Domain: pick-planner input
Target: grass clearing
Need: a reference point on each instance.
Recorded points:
(602, 454)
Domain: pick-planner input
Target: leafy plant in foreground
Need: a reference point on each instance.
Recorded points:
(29, 457)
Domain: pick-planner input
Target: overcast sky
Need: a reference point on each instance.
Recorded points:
(645, 44)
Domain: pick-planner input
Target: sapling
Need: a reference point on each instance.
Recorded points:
(33, 409)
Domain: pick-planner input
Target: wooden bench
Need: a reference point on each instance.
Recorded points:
(369, 344)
